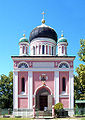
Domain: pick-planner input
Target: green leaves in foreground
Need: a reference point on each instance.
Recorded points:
(6, 90)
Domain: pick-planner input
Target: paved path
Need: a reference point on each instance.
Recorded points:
(56, 119)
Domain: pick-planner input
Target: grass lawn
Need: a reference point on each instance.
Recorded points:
(38, 119)
(16, 119)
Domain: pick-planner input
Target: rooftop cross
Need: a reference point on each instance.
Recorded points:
(43, 14)
(43, 21)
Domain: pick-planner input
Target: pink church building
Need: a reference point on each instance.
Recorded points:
(42, 78)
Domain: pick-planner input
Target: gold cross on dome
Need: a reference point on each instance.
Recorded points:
(43, 14)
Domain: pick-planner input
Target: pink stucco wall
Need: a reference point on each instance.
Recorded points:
(37, 82)
(61, 75)
(20, 76)
(22, 103)
(65, 102)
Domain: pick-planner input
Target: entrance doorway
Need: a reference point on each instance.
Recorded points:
(43, 102)
(43, 99)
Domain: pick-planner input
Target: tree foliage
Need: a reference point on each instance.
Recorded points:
(79, 80)
(81, 52)
(6, 90)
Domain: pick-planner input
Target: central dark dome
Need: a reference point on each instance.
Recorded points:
(43, 31)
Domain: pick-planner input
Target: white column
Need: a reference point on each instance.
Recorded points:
(51, 50)
(15, 90)
(56, 86)
(71, 90)
(48, 49)
(45, 49)
(30, 90)
(41, 50)
(38, 49)
(64, 50)
(20, 50)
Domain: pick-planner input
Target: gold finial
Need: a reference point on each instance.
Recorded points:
(23, 35)
(43, 21)
(62, 35)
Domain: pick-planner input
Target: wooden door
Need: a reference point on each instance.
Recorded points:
(43, 102)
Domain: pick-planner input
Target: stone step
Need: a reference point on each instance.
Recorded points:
(43, 113)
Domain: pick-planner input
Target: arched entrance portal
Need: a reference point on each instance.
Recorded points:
(43, 99)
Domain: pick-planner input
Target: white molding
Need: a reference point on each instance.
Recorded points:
(43, 69)
(71, 90)
(56, 87)
(43, 64)
(30, 90)
(15, 90)
(23, 96)
(63, 96)
(44, 59)
(41, 87)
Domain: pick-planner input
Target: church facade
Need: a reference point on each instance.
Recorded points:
(42, 78)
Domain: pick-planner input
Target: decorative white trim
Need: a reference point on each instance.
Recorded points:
(41, 87)
(43, 69)
(43, 64)
(56, 87)
(71, 90)
(23, 96)
(30, 90)
(45, 59)
(15, 90)
(64, 96)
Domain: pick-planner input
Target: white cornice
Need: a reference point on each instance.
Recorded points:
(43, 69)
(42, 58)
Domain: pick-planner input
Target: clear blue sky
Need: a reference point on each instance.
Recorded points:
(17, 16)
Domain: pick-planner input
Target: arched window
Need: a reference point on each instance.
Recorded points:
(26, 50)
(33, 50)
(23, 49)
(63, 65)
(23, 85)
(62, 49)
(63, 84)
(52, 50)
(43, 49)
(23, 65)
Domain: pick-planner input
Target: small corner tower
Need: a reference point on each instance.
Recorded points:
(24, 46)
(62, 46)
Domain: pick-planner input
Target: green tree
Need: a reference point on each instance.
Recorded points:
(81, 52)
(6, 90)
(79, 80)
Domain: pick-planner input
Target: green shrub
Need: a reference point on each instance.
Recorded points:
(59, 111)
(58, 106)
